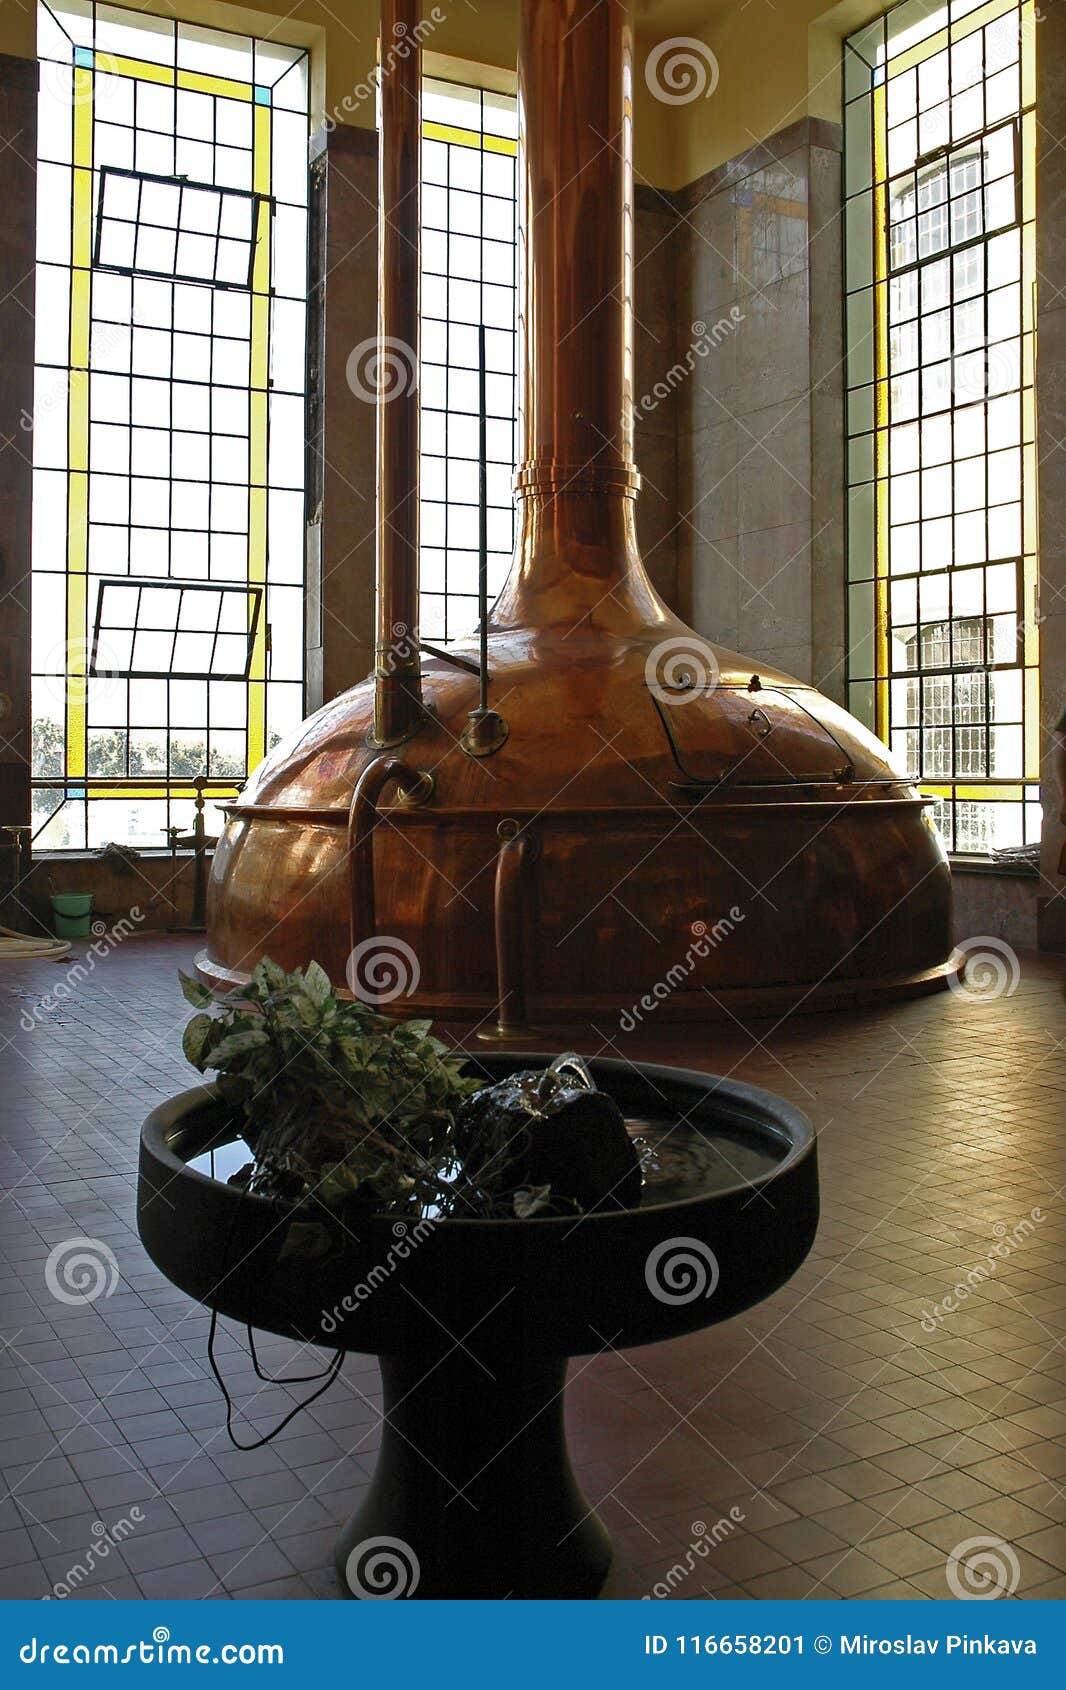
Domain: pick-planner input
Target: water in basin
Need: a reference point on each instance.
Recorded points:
(685, 1160)
(677, 1160)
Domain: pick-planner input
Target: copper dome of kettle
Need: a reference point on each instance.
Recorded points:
(639, 814)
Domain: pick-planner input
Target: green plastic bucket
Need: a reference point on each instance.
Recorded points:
(72, 913)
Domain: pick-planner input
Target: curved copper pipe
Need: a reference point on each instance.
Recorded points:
(416, 786)
(516, 851)
(397, 671)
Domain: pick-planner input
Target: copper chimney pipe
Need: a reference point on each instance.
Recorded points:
(397, 672)
(577, 485)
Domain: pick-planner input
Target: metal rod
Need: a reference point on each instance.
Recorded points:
(467, 664)
(398, 680)
(510, 912)
(486, 729)
(483, 517)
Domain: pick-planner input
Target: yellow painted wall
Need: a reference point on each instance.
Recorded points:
(777, 62)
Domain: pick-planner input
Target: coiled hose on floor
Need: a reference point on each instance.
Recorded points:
(19, 947)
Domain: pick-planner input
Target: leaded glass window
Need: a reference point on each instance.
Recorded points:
(168, 429)
(939, 155)
(468, 277)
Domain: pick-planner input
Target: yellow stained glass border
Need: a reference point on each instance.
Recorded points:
(77, 595)
(960, 28)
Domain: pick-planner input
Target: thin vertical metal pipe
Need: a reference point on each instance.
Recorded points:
(483, 517)
(398, 683)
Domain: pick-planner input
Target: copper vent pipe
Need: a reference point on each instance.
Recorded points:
(397, 673)
(577, 485)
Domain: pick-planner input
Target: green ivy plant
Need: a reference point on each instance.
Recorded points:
(340, 1105)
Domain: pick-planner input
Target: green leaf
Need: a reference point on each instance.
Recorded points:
(238, 1044)
(194, 991)
(196, 1039)
(338, 1101)
(269, 976)
(317, 984)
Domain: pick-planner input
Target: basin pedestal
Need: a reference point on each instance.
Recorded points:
(474, 1479)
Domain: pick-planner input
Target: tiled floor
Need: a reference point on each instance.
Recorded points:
(827, 1443)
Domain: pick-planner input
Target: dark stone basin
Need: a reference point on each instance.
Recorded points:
(474, 1319)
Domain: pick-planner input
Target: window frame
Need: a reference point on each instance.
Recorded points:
(83, 66)
(900, 42)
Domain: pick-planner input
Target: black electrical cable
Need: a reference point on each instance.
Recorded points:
(328, 1374)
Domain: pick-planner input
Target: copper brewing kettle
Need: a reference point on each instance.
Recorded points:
(638, 815)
